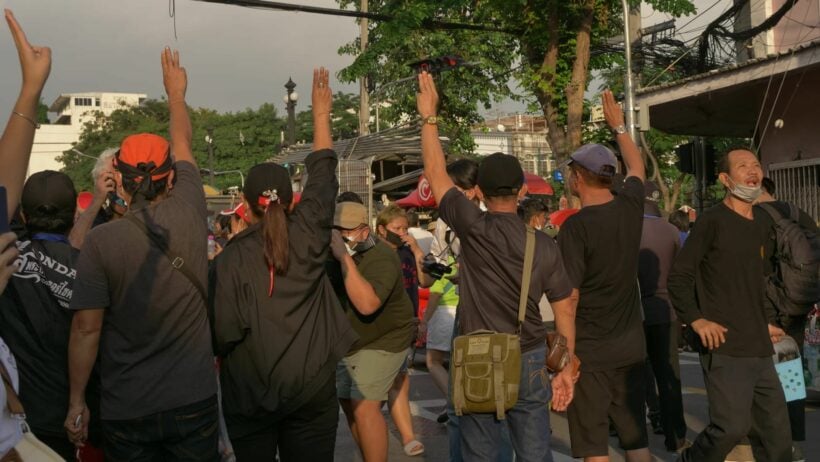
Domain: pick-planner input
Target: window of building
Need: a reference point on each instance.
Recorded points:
(97, 102)
(83, 101)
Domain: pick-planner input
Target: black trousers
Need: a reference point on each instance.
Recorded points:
(795, 328)
(308, 433)
(662, 349)
(745, 398)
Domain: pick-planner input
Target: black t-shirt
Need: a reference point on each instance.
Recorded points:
(718, 275)
(492, 257)
(155, 346)
(600, 245)
(35, 323)
(410, 276)
(660, 243)
(279, 348)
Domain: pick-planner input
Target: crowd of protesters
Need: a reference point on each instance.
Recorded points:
(131, 331)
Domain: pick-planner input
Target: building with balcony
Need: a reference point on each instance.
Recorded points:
(72, 111)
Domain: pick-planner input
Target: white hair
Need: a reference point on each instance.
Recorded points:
(103, 162)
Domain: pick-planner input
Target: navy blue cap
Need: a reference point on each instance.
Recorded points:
(596, 158)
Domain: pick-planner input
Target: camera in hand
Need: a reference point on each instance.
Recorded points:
(435, 269)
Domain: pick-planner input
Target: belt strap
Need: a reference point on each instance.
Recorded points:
(458, 385)
(529, 256)
(498, 382)
(177, 262)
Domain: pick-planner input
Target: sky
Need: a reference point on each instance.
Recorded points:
(236, 57)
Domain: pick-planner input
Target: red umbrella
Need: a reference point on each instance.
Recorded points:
(537, 185)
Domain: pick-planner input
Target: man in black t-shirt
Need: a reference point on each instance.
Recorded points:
(492, 257)
(34, 314)
(716, 286)
(600, 246)
(145, 315)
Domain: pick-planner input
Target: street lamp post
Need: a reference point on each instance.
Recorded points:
(629, 84)
(290, 104)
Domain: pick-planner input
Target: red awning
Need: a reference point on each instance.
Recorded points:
(558, 218)
(422, 196)
(537, 185)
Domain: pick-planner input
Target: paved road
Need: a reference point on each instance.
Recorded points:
(427, 402)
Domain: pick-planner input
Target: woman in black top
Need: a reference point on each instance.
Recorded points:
(278, 326)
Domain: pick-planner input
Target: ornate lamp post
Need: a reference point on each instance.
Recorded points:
(290, 104)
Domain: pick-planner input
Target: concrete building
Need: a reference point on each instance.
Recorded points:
(771, 96)
(521, 135)
(72, 111)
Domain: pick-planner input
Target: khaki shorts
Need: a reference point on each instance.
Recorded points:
(368, 374)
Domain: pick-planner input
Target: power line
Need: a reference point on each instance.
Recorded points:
(427, 23)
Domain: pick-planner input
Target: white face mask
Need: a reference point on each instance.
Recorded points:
(745, 193)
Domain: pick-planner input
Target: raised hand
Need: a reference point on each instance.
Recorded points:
(427, 97)
(321, 95)
(613, 113)
(35, 61)
(174, 76)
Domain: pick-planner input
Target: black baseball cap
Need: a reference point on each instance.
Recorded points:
(49, 192)
(268, 181)
(500, 174)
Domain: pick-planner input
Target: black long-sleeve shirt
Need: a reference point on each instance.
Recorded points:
(718, 275)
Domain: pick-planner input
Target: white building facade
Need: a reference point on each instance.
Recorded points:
(73, 111)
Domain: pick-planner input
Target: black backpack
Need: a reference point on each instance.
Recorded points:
(794, 286)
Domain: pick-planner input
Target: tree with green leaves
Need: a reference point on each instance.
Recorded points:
(241, 139)
(546, 50)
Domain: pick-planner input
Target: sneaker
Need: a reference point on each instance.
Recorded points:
(797, 454)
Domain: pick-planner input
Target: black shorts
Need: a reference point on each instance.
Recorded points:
(617, 394)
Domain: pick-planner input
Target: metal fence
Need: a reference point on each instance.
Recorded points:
(355, 176)
(798, 182)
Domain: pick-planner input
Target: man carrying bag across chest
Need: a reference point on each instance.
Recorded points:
(492, 264)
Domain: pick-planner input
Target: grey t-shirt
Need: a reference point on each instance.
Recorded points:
(155, 346)
(492, 253)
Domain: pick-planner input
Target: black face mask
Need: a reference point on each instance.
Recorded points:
(365, 245)
(393, 238)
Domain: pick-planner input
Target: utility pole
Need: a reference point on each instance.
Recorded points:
(364, 100)
(210, 140)
(629, 83)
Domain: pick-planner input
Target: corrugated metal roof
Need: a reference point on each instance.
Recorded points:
(394, 143)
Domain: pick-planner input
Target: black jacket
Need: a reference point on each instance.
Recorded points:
(277, 351)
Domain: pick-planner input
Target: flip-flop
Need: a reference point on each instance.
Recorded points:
(414, 448)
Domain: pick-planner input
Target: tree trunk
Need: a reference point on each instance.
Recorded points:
(580, 75)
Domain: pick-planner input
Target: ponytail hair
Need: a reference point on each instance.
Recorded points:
(275, 236)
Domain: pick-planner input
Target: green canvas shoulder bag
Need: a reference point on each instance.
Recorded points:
(486, 365)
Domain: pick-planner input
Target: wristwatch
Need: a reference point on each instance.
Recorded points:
(431, 120)
(620, 129)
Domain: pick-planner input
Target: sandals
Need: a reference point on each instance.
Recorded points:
(414, 448)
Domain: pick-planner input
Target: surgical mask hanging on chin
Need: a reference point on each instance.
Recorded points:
(745, 193)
